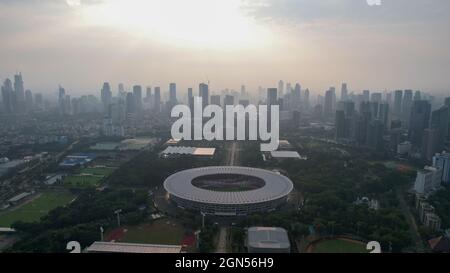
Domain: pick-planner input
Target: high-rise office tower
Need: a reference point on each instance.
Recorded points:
(272, 96)
(39, 101)
(340, 125)
(430, 143)
(376, 97)
(243, 91)
(420, 118)
(106, 96)
(306, 100)
(130, 103)
(157, 100)
(417, 95)
(203, 92)
(61, 100)
(281, 88)
(375, 134)
(190, 99)
(330, 102)
(344, 92)
(389, 99)
(406, 107)
(19, 93)
(7, 93)
(228, 100)
(398, 97)
(137, 95)
(215, 100)
(28, 100)
(383, 114)
(173, 94)
(121, 93)
(447, 103)
(440, 122)
(366, 95)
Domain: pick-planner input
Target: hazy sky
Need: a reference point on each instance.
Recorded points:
(319, 43)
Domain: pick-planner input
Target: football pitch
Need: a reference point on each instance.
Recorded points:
(88, 177)
(35, 209)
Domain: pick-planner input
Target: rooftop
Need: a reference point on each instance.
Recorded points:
(112, 247)
(268, 237)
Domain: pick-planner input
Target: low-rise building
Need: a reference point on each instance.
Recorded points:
(268, 240)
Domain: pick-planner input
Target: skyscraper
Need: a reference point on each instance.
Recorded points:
(215, 100)
(106, 96)
(375, 135)
(157, 100)
(296, 96)
(344, 92)
(439, 122)
(28, 100)
(398, 97)
(190, 99)
(406, 107)
(447, 103)
(272, 96)
(306, 100)
(173, 94)
(203, 92)
(19, 93)
(330, 102)
(7, 91)
(430, 143)
(420, 118)
(121, 91)
(281, 88)
(376, 97)
(130, 103)
(340, 125)
(137, 95)
(228, 100)
(366, 95)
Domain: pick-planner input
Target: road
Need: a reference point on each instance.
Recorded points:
(233, 154)
(411, 220)
(222, 244)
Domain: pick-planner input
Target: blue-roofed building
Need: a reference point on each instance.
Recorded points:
(75, 160)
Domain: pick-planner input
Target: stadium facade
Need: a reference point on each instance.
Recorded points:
(228, 190)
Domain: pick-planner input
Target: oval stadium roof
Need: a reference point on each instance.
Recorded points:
(276, 186)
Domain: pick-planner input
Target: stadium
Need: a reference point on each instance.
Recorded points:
(228, 191)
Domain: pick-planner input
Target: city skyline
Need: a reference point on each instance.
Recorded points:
(81, 44)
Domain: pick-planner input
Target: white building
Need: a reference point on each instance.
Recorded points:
(442, 161)
(427, 180)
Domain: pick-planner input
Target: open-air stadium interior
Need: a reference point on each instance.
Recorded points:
(251, 190)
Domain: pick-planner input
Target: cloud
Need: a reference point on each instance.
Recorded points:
(349, 11)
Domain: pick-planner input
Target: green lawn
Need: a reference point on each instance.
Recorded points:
(339, 246)
(88, 177)
(33, 211)
(155, 233)
(82, 181)
(98, 171)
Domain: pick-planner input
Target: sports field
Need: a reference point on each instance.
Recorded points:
(34, 210)
(338, 246)
(88, 177)
(159, 232)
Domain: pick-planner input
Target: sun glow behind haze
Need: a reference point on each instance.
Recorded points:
(217, 24)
